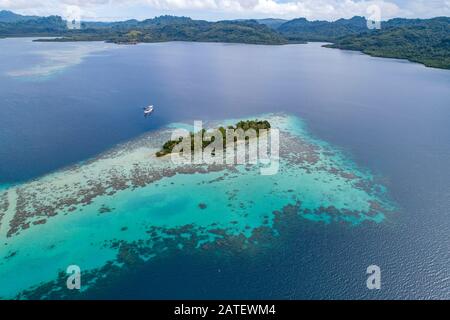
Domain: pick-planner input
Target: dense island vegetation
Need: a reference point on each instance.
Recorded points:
(31, 26)
(302, 30)
(200, 31)
(159, 29)
(421, 40)
(244, 125)
(427, 42)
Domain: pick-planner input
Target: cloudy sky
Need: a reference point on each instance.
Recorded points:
(229, 9)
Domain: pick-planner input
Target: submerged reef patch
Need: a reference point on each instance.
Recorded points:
(4, 205)
(53, 61)
(126, 208)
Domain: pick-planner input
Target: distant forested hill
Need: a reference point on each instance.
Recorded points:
(164, 28)
(272, 23)
(9, 16)
(189, 30)
(304, 30)
(422, 40)
(46, 26)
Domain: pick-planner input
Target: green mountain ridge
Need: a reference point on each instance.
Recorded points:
(303, 30)
(167, 28)
(9, 16)
(426, 42)
(421, 40)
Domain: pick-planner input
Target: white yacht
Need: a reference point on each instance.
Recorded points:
(148, 110)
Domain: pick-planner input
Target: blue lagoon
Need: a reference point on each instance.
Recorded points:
(82, 185)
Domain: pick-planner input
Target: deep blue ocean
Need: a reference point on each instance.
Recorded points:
(390, 116)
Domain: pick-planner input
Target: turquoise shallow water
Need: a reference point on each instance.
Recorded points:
(120, 226)
(390, 116)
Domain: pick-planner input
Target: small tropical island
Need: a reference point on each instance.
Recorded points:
(157, 210)
(245, 125)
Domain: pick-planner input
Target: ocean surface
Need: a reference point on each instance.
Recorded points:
(71, 110)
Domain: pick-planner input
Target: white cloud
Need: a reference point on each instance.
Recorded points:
(311, 9)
